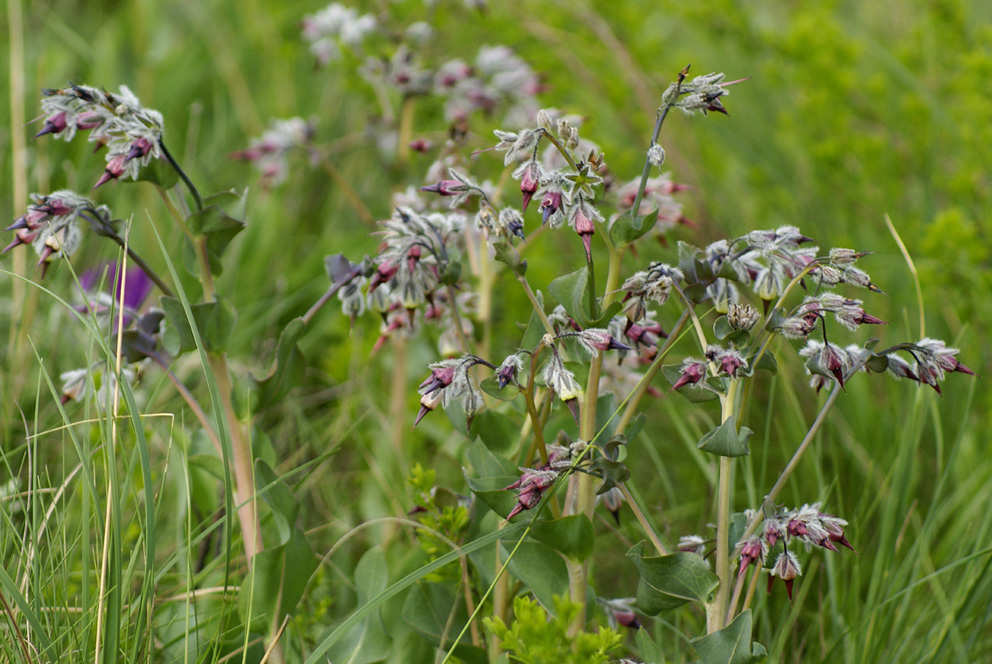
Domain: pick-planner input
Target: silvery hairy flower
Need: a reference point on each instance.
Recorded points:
(499, 78)
(335, 25)
(508, 370)
(562, 381)
(78, 383)
(752, 550)
(692, 373)
(268, 153)
(786, 568)
(933, 359)
(654, 284)
(596, 340)
(51, 225)
(450, 381)
(700, 95)
(692, 544)
(132, 133)
(515, 144)
(729, 360)
(827, 359)
(656, 155)
(848, 312)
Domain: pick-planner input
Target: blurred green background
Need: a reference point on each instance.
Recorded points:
(852, 111)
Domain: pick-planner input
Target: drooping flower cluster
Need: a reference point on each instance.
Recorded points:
(535, 481)
(269, 152)
(51, 225)
(451, 381)
(499, 78)
(132, 133)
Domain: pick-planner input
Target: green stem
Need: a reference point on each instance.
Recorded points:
(108, 231)
(537, 305)
(662, 114)
(794, 461)
(716, 612)
(642, 519)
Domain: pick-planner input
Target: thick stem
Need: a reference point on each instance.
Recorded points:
(716, 613)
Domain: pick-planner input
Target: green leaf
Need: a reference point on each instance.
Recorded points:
(540, 568)
(635, 426)
(611, 472)
(214, 320)
(648, 650)
(877, 363)
(670, 581)
(427, 609)
(491, 387)
(160, 173)
(722, 328)
(730, 645)
(570, 291)
(287, 371)
(725, 440)
(368, 641)
(775, 320)
(318, 655)
(219, 229)
(279, 497)
(627, 228)
(452, 271)
(371, 575)
(572, 536)
(508, 254)
(486, 464)
(496, 430)
(277, 580)
(766, 363)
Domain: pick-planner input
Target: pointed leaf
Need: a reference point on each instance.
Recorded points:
(496, 430)
(287, 371)
(540, 568)
(219, 229)
(627, 228)
(693, 393)
(491, 387)
(570, 291)
(279, 497)
(428, 608)
(571, 535)
(725, 440)
(160, 173)
(730, 645)
(670, 581)
(279, 576)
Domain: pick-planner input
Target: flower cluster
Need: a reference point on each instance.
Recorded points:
(132, 133)
(807, 525)
(51, 225)
(268, 153)
(450, 381)
(535, 481)
(333, 27)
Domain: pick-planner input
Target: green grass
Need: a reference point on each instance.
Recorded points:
(851, 112)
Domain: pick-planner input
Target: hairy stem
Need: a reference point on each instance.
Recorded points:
(716, 613)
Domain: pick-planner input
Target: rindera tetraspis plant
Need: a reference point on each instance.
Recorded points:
(575, 357)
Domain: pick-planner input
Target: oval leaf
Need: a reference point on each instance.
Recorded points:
(726, 441)
(670, 581)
